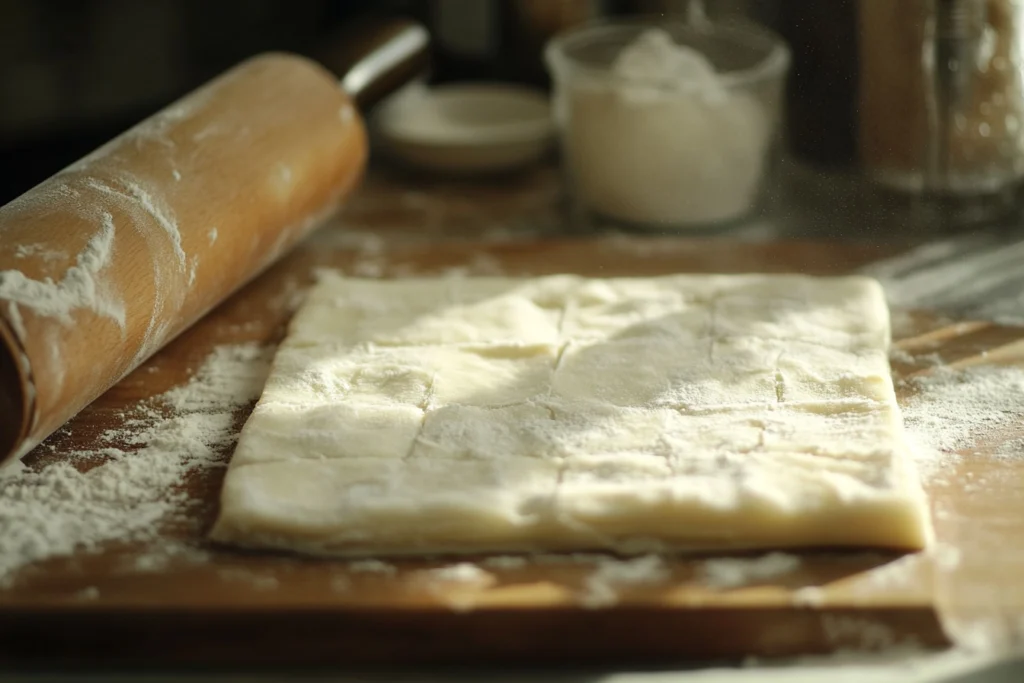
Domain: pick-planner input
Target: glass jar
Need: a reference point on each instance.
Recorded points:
(942, 95)
(683, 149)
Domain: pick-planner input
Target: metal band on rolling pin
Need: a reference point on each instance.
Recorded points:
(108, 260)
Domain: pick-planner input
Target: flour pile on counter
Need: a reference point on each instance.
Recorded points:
(136, 487)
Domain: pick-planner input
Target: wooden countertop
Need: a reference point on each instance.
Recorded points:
(233, 608)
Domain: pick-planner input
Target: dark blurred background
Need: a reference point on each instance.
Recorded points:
(74, 73)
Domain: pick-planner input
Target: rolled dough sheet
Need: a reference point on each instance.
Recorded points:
(468, 415)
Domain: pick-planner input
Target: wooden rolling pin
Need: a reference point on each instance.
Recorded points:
(105, 262)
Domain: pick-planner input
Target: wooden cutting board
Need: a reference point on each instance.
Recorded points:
(234, 608)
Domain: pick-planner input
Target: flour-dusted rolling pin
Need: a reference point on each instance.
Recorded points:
(108, 260)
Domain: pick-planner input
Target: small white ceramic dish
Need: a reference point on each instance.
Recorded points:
(467, 127)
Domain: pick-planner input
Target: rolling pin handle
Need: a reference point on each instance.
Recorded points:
(374, 59)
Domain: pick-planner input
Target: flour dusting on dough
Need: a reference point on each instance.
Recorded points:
(573, 417)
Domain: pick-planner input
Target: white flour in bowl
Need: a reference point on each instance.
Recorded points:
(663, 140)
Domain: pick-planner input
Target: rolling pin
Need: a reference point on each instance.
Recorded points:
(108, 260)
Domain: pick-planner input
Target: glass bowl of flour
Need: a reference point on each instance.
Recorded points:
(668, 125)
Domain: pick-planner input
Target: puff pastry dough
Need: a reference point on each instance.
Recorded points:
(469, 415)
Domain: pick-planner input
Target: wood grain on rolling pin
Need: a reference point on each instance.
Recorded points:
(108, 260)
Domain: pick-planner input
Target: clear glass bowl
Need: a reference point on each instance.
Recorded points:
(671, 154)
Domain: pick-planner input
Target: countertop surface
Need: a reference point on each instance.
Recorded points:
(969, 274)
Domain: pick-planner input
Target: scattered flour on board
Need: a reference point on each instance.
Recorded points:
(861, 633)
(81, 287)
(58, 510)
(88, 593)
(600, 586)
(734, 572)
(372, 566)
(461, 572)
(895, 574)
(506, 562)
(259, 581)
(455, 584)
(953, 411)
(1013, 448)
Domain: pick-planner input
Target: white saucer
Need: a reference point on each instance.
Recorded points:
(466, 127)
